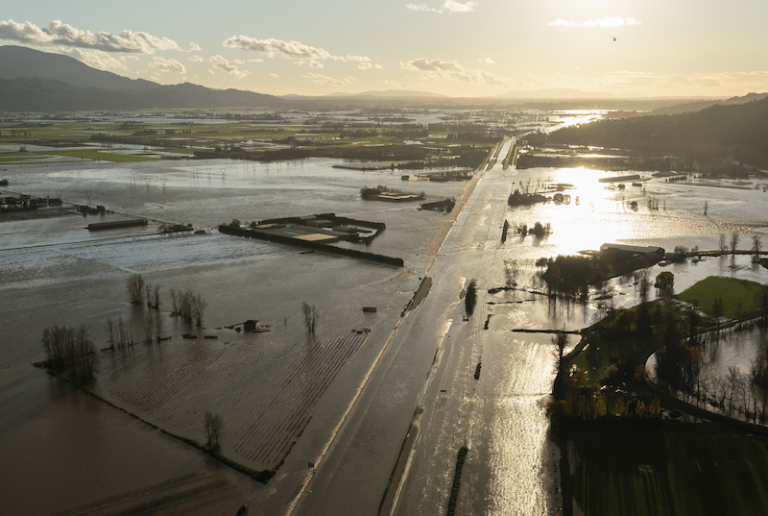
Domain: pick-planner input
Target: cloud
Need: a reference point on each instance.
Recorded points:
(304, 54)
(220, 63)
(437, 69)
(608, 21)
(167, 65)
(196, 59)
(274, 75)
(450, 6)
(329, 81)
(277, 48)
(487, 60)
(61, 34)
(95, 58)
(194, 47)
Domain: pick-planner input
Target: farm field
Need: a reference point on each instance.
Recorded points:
(264, 390)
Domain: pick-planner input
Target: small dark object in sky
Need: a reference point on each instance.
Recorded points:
(614, 38)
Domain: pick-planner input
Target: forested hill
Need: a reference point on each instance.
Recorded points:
(737, 132)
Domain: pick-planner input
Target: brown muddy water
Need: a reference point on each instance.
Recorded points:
(53, 272)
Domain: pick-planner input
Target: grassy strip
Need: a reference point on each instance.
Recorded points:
(453, 500)
(732, 291)
(399, 463)
(97, 155)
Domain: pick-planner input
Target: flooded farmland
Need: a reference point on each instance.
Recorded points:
(283, 396)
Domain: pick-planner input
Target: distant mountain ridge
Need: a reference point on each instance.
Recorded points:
(17, 62)
(690, 107)
(735, 131)
(556, 93)
(389, 94)
(31, 80)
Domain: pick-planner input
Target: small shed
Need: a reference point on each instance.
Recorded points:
(251, 325)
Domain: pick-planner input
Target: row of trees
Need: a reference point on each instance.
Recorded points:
(733, 243)
(69, 351)
(185, 304)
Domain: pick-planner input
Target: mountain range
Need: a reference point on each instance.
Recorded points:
(31, 80)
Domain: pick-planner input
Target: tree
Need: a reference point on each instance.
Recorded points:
(717, 312)
(69, 351)
(242, 511)
(560, 341)
(213, 430)
(665, 282)
(471, 298)
(722, 245)
(734, 242)
(135, 287)
(510, 273)
(197, 306)
(311, 315)
(756, 247)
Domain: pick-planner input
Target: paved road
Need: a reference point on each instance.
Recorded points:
(425, 379)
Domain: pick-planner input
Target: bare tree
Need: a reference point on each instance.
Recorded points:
(135, 287)
(757, 246)
(197, 307)
(213, 430)
(560, 341)
(722, 245)
(156, 298)
(510, 273)
(734, 242)
(311, 315)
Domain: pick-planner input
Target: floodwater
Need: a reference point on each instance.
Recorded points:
(53, 274)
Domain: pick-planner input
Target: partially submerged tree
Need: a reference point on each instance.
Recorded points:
(734, 242)
(70, 352)
(665, 282)
(311, 315)
(471, 298)
(213, 430)
(135, 288)
(757, 247)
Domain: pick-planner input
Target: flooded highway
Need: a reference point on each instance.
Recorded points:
(396, 452)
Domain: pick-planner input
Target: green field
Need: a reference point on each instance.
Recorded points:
(685, 469)
(732, 290)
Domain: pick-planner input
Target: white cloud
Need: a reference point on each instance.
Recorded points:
(59, 33)
(487, 60)
(329, 81)
(274, 75)
(257, 60)
(194, 47)
(221, 63)
(168, 65)
(303, 54)
(457, 7)
(95, 58)
(422, 8)
(437, 69)
(450, 6)
(272, 47)
(609, 21)
(196, 59)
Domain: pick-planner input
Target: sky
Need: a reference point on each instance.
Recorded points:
(463, 48)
